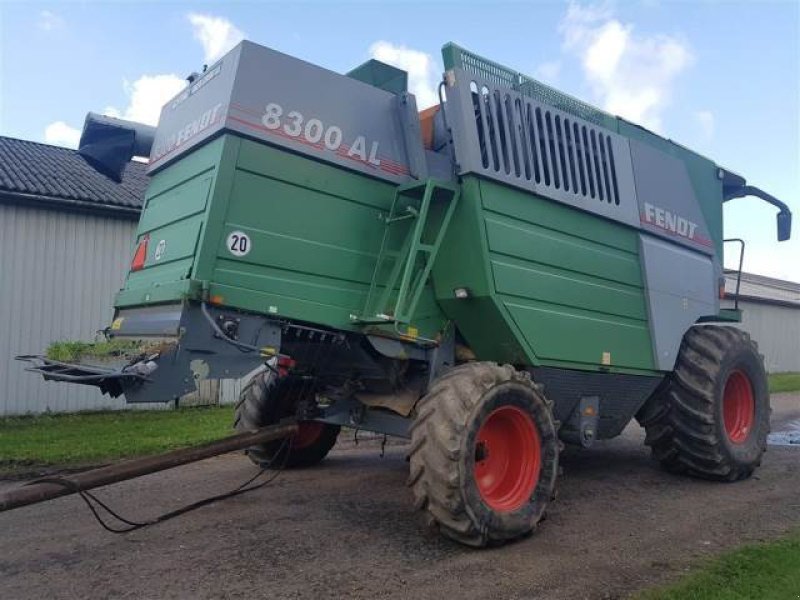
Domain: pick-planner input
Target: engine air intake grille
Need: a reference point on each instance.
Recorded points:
(520, 138)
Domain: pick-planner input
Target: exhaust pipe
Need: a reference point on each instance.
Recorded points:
(108, 144)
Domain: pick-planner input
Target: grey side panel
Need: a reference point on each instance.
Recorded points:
(680, 288)
(284, 101)
(503, 135)
(196, 114)
(668, 206)
(197, 354)
(157, 321)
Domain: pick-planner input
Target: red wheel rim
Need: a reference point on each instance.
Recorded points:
(308, 432)
(738, 407)
(507, 458)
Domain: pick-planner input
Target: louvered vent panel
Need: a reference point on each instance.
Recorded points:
(521, 138)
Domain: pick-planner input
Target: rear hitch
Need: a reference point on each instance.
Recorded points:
(110, 380)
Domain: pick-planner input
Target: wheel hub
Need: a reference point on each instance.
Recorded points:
(738, 407)
(507, 458)
(308, 432)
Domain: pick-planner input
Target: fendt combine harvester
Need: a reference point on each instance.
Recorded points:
(490, 277)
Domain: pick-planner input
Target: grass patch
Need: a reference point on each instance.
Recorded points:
(764, 571)
(784, 382)
(74, 351)
(91, 438)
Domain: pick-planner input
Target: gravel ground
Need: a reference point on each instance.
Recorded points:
(346, 530)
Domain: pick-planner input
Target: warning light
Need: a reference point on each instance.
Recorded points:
(140, 256)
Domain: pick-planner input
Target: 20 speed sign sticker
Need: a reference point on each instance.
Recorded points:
(238, 243)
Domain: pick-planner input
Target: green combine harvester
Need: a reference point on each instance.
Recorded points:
(490, 277)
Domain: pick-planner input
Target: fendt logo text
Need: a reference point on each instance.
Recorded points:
(668, 221)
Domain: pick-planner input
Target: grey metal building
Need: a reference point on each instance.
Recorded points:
(65, 246)
(771, 315)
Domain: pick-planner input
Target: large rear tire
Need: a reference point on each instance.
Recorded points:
(710, 417)
(265, 400)
(484, 454)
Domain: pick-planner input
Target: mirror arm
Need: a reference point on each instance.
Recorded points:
(785, 215)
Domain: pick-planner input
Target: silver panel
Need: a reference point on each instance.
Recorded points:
(680, 287)
(322, 114)
(503, 135)
(668, 206)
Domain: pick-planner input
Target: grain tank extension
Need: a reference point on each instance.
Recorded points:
(490, 277)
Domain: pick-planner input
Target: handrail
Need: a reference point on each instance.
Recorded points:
(739, 274)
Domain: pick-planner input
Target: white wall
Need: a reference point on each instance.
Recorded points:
(777, 331)
(59, 272)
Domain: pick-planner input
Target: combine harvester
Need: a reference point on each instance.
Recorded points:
(489, 277)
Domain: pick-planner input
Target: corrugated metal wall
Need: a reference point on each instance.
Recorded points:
(59, 272)
(777, 331)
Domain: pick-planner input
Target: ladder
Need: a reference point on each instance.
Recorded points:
(414, 230)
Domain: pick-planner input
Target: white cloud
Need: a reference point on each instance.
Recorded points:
(216, 34)
(61, 134)
(149, 93)
(630, 74)
(48, 20)
(420, 66)
(548, 72)
(146, 96)
(705, 122)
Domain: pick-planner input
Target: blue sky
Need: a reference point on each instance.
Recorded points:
(722, 78)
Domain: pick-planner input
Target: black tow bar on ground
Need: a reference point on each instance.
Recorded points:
(36, 492)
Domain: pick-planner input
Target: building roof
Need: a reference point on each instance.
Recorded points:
(40, 172)
(759, 288)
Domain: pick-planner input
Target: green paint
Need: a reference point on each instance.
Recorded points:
(315, 233)
(422, 212)
(456, 57)
(563, 284)
(381, 75)
(549, 284)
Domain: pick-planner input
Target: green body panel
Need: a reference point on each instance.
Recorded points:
(315, 234)
(549, 283)
(175, 210)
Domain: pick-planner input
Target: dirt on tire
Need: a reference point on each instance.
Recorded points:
(442, 453)
(685, 420)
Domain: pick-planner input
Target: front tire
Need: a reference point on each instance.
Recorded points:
(484, 454)
(265, 400)
(710, 417)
